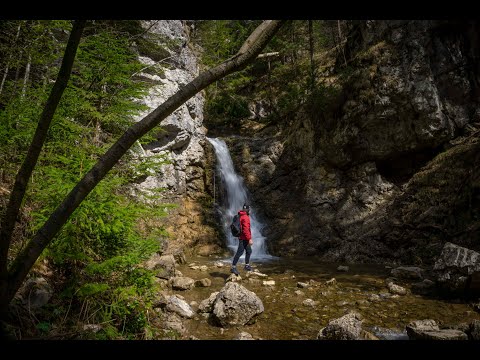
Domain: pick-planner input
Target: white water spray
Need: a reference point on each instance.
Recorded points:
(236, 196)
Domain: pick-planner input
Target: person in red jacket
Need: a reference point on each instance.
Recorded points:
(245, 241)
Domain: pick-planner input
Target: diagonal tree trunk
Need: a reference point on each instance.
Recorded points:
(23, 175)
(25, 260)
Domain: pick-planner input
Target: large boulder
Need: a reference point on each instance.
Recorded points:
(35, 293)
(429, 330)
(236, 305)
(179, 306)
(458, 270)
(347, 327)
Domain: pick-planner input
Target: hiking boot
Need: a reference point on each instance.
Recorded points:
(234, 270)
(248, 267)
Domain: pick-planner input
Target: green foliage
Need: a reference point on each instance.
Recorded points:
(100, 247)
(227, 107)
(44, 327)
(91, 289)
(283, 82)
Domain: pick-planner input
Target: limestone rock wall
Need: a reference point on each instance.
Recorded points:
(388, 170)
(179, 141)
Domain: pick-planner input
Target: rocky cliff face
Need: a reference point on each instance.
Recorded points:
(182, 180)
(389, 170)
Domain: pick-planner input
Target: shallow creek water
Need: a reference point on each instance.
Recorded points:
(286, 318)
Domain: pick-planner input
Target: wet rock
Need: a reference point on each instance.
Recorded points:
(218, 264)
(373, 297)
(389, 280)
(424, 287)
(255, 273)
(244, 336)
(206, 282)
(182, 283)
(233, 278)
(342, 303)
(179, 306)
(476, 306)
(299, 292)
(366, 335)
(179, 257)
(173, 322)
(206, 305)
(236, 305)
(396, 289)
(362, 302)
(268, 283)
(309, 302)
(347, 327)
(302, 285)
(343, 268)
(408, 272)
(444, 334)
(474, 330)
(161, 300)
(331, 282)
(455, 268)
(418, 326)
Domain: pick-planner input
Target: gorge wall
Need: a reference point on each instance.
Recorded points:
(388, 168)
(183, 181)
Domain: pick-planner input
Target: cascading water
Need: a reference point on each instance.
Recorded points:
(236, 196)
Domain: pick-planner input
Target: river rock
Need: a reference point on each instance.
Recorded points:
(347, 327)
(244, 336)
(396, 289)
(182, 283)
(207, 304)
(235, 305)
(343, 268)
(179, 306)
(206, 282)
(455, 268)
(408, 272)
(424, 287)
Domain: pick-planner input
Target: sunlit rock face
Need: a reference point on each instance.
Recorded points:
(177, 156)
(371, 177)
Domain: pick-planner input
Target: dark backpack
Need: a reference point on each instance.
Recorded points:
(235, 226)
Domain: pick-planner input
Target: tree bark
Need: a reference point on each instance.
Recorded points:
(25, 260)
(23, 175)
(312, 64)
(27, 75)
(341, 40)
(5, 74)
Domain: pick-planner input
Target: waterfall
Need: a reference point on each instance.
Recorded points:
(235, 196)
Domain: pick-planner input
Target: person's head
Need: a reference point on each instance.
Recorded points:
(246, 208)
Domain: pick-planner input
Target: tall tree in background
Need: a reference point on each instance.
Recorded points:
(19, 188)
(13, 277)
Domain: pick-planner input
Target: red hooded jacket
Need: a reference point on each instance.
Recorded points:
(245, 226)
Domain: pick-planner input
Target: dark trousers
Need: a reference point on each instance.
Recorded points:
(243, 245)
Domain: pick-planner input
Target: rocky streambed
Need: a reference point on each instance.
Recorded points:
(302, 299)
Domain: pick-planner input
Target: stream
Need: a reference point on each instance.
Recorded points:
(294, 313)
(287, 317)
